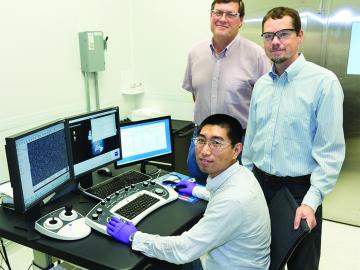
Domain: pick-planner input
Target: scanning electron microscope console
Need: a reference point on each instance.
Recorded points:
(131, 203)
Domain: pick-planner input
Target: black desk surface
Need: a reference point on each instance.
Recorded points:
(98, 251)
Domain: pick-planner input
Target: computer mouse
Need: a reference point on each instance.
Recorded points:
(104, 171)
(169, 182)
(179, 188)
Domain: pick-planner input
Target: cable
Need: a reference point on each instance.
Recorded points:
(5, 254)
(2, 255)
(29, 266)
(157, 173)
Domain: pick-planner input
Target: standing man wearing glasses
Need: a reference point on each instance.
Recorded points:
(234, 232)
(295, 132)
(222, 71)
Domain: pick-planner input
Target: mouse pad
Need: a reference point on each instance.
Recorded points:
(172, 178)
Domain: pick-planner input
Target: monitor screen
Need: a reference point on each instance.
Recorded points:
(145, 140)
(94, 139)
(38, 163)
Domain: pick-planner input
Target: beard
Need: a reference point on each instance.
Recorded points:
(278, 60)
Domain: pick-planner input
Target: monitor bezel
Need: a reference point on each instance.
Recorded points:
(14, 169)
(67, 125)
(132, 123)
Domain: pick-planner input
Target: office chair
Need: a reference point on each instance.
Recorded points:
(284, 239)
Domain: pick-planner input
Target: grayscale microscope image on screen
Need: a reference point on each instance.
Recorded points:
(94, 139)
(38, 164)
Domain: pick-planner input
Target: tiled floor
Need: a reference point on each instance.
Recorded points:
(340, 250)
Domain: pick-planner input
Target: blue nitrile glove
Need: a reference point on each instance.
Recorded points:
(120, 230)
(185, 187)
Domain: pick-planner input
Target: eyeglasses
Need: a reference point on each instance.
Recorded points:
(282, 35)
(213, 144)
(228, 15)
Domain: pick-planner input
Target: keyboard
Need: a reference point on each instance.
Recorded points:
(132, 204)
(137, 206)
(125, 180)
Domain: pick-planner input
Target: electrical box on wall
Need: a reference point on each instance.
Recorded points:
(92, 46)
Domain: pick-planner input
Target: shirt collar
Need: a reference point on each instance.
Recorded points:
(225, 51)
(212, 184)
(291, 71)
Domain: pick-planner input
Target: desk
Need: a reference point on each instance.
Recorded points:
(98, 251)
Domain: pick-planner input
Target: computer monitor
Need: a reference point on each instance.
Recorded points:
(94, 142)
(38, 162)
(145, 140)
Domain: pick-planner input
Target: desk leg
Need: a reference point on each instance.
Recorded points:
(41, 260)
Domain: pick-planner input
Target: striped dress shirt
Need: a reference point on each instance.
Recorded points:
(295, 127)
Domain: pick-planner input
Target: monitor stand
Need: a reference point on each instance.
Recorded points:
(144, 165)
(86, 180)
(27, 222)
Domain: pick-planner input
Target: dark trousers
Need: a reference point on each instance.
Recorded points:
(307, 254)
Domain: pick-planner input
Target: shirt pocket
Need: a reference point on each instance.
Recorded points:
(238, 92)
(296, 127)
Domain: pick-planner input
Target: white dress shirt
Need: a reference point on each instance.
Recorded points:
(234, 232)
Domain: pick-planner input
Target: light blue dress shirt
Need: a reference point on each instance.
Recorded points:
(234, 232)
(295, 127)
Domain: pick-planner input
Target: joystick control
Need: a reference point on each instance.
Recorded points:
(68, 214)
(64, 224)
(53, 221)
(68, 210)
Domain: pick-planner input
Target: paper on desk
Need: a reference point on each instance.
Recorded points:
(5, 188)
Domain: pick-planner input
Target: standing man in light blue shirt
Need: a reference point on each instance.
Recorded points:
(234, 232)
(221, 72)
(295, 132)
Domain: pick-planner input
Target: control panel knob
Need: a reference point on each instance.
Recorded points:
(126, 188)
(117, 193)
(94, 216)
(146, 183)
(108, 198)
(132, 186)
(152, 182)
(159, 191)
(103, 203)
(99, 210)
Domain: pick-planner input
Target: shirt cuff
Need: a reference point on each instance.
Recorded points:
(312, 200)
(201, 192)
(141, 241)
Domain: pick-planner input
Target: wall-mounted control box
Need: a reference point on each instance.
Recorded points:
(92, 46)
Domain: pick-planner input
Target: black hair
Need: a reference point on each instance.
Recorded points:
(234, 129)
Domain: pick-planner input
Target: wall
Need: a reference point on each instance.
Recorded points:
(40, 71)
(163, 35)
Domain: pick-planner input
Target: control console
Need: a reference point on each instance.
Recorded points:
(64, 224)
(131, 203)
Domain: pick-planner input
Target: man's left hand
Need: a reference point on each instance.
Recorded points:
(305, 212)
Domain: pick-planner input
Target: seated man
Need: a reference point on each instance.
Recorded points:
(234, 232)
